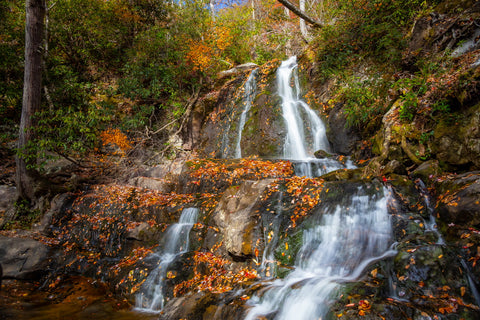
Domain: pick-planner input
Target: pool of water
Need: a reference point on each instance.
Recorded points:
(77, 298)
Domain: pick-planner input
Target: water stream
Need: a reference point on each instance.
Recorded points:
(250, 88)
(349, 237)
(306, 132)
(177, 241)
(338, 248)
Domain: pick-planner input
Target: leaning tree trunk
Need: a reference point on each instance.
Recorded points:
(301, 13)
(32, 92)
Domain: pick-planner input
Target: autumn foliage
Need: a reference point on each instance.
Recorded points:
(232, 172)
(117, 138)
(217, 278)
(203, 53)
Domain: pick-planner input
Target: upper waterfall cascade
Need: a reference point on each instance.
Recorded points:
(305, 130)
(250, 88)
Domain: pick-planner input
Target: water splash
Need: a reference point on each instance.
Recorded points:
(249, 94)
(349, 238)
(177, 241)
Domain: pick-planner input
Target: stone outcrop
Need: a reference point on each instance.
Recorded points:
(263, 132)
(235, 219)
(459, 146)
(459, 199)
(343, 139)
(23, 258)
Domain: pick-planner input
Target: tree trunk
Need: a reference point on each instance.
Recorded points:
(300, 13)
(32, 92)
(303, 25)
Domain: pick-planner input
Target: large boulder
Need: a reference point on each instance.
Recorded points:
(343, 138)
(23, 258)
(459, 146)
(235, 219)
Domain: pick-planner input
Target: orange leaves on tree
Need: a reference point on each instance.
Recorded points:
(203, 53)
(200, 55)
(116, 138)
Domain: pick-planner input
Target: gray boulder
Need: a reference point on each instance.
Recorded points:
(23, 258)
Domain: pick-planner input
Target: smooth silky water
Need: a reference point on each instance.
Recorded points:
(250, 88)
(177, 240)
(348, 238)
(306, 132)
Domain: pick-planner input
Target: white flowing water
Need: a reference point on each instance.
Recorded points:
(305, 130)
(177, 241)
(250, 88)
(348, 239)
(431, 224)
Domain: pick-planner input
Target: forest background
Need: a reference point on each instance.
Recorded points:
(129, 71)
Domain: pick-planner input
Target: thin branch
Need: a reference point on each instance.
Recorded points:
(72, 160)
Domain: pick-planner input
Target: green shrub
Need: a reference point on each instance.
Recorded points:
(366, 29)
(363, 102)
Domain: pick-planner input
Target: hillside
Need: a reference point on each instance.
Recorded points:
(230, 162)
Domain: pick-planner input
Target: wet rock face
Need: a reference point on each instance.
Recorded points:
(263, 132)
(342, 138)
(235, 218)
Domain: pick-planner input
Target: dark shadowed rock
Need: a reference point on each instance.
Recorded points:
(23, 258)
(461, 205)
(342, 138)
(427, 170)
(394, 166)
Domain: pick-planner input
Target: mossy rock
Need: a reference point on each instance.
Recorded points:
(344, 175)
(427, 171)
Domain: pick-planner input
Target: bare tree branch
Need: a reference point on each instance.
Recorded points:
(301, 14)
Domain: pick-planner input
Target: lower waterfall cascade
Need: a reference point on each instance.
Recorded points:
(348, 238)
(177, 241)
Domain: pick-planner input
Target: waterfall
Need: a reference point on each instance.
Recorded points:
(250, 87)
(177, 241)
(305, 130)
(348, 239)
